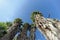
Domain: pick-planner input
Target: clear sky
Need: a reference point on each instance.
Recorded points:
(11, 9)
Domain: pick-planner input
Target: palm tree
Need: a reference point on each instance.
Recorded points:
(37, 16)
(46, 27)
(33, 26)
(32, 32)
(34, 15)
(11, 32)
(23, 34)
(17, 24)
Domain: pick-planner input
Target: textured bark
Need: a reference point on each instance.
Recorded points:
(11, 32)
(32, 33)
(48, 27)
(23, 34)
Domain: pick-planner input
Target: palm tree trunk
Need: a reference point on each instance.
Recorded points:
(32, 33)
(11, 32)
(23, 34)
(47, 28)
(37, 19)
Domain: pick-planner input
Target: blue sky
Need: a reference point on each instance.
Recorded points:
(11, 9)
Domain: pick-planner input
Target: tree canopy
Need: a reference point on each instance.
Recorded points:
(9, 24)
(27, 26)
(34, 14)
(18, 21)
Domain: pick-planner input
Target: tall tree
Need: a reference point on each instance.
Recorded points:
(23, 35)
(32, 32)
(34, 15)
(33, 29)
(18, 22)
(12, 30)
(39, 22)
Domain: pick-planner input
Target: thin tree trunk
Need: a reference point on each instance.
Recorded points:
(32, 33)
(23, 35)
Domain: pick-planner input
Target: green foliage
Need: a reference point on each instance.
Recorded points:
(9, 24)
(19, 21)
(3, 29)
(32, 25)
(3, 26)
(34, 14)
